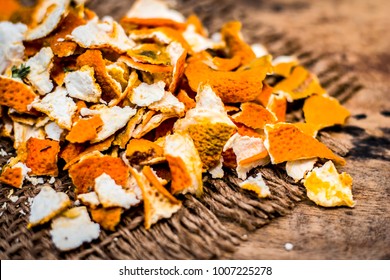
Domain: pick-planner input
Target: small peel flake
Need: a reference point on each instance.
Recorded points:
(184, 163)
(285, 142)
(300, 84)
(113, 118)
(40, 66)
(112, 195)
(46, 17)
(81, 84)
(42, 155)
(249, 152)
(158, 202)
(84, 173)
(46, 205)
(90, 199)
(254, 115)
(72, 228)
(324, 111)
(297, 169)
(107, 218)
(14, 175)
(145, 95)
(327, 188)
(58, 107)
(85, 130)
(257, 185)
(208, 125)
(16, 95)
(98, 35)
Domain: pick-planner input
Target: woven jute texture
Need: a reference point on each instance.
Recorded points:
(210, 227)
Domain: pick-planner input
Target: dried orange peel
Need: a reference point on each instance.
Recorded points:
(326, 187)
(138, 111)
(285, 142)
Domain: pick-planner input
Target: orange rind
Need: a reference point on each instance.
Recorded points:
(285, 142)
(327, 188)
(85, 130)
(16, 95)
(158, 202)
(324, 111)
(300, 84)
(242, 85)
(42, 156)
(107, 218)
(184, 163)
(84, 173)
(254, 116)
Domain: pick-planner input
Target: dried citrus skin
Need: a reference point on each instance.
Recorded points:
(242, 85)
(94, 59)
(107, 218)
(84, 173)
(324, 111)
(300, 84)
(285, 142)
(209, 140)
(85, 130)
(254, 115)
(12, 177)
(327, 188)
(42, 156)
(16, 95)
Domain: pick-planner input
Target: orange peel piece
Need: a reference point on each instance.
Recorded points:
(98, 35)
(300, 84)
(111, 89)
(46, 205)
(151, 68)
(257, 185)
(85, 130)
(208, 125)
(285, 142)
(123, 137)
(84, 173)
(142, 152)
(283, 65)
(242, 85)
(71, 151)
(184, 163)
(236, 47)
(158, 202)
(107, 218)
(46, 17)
(16, 95)
(254, 115)
(327, 188)
(277, 104)
(42, 156)
(57, 41)
(91, 150)
(150, 13)
(324, 111)
(188, 102)
(249, 152)
(12, 176)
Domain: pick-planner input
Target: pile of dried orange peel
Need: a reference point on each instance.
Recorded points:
(137, 111)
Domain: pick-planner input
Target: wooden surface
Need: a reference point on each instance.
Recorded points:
(354, 34)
